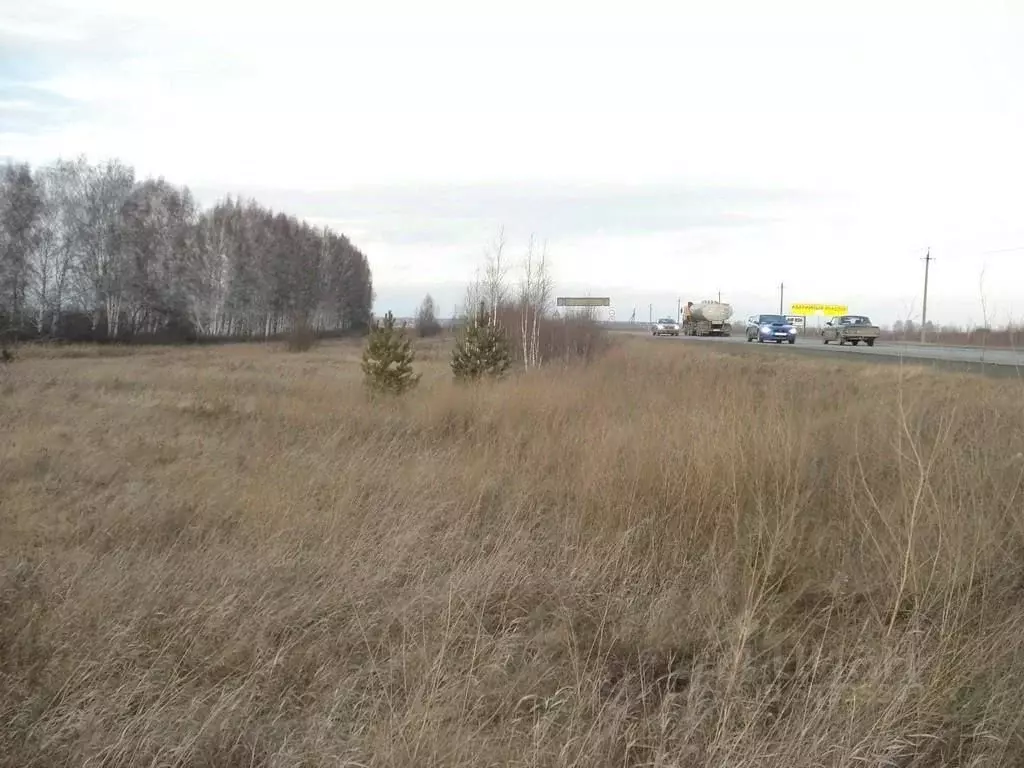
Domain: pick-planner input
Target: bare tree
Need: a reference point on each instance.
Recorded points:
(495, 282)
(128, 257)
(210, 277)
(21, 209)
(44, 264)
(426, 318)
(102, 271)
(535, 290)
(473, 297)
(64, 196)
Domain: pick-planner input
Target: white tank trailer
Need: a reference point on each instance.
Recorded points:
(707, 318)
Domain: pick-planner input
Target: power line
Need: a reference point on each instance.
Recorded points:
(1004, 250)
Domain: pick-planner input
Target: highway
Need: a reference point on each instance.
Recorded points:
(998, 361)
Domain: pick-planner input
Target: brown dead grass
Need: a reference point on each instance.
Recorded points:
(224, 557)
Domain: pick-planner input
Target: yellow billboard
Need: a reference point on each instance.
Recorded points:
(828, 310)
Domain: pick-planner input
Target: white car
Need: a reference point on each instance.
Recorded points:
(665, 326)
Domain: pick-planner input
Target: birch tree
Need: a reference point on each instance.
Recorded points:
(21, 208)
(535, 292)
(92, 243)
(102, 270)
(64, 197)
(495, 283)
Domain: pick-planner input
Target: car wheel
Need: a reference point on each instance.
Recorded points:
(792, 341)
(870, 342)
(855, 342)
(824, 340)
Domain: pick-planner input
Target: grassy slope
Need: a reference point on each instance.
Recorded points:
(223, 558)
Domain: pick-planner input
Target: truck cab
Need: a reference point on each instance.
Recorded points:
(851, 329)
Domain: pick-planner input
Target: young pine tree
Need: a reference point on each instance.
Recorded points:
(388, 358)
(482, 350)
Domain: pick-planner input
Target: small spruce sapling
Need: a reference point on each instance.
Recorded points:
(388, 358)
(482, 350)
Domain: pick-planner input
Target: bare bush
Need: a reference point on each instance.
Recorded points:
(301, 336)
(552, 339)
(535, 334)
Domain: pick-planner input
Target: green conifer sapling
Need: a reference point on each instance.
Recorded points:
(482, 350)
(388, 358)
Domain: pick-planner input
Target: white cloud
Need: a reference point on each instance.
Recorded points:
(904, 116)
(35, 31)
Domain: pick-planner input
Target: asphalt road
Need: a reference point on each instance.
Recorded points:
(998, 361)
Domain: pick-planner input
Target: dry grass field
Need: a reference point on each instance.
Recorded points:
(669, 557)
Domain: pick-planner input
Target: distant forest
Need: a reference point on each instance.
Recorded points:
(90, 252)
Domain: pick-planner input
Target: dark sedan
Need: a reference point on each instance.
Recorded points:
(762, 328)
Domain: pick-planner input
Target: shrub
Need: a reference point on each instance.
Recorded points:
(301, 337)
(387, 359)
(559, 339)
(481, 350)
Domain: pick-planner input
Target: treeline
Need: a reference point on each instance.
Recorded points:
(90, 252)
(1009, 336)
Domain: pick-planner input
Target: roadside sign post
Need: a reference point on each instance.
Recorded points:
(583, 301)
(828, 310)
(819, 311)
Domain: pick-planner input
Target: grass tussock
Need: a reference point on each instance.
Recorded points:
(669, 557)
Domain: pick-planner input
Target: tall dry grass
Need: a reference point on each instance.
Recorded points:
(223, 557)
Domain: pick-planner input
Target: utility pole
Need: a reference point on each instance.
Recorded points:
(679, 308)
(924, 304)
(650, 313)
(782, 288)
(719, 297)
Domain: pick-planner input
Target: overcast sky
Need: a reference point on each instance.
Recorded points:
(663, 150)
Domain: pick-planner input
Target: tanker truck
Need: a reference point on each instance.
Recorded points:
(707, 318)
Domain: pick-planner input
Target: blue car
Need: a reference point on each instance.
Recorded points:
(762, 328)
